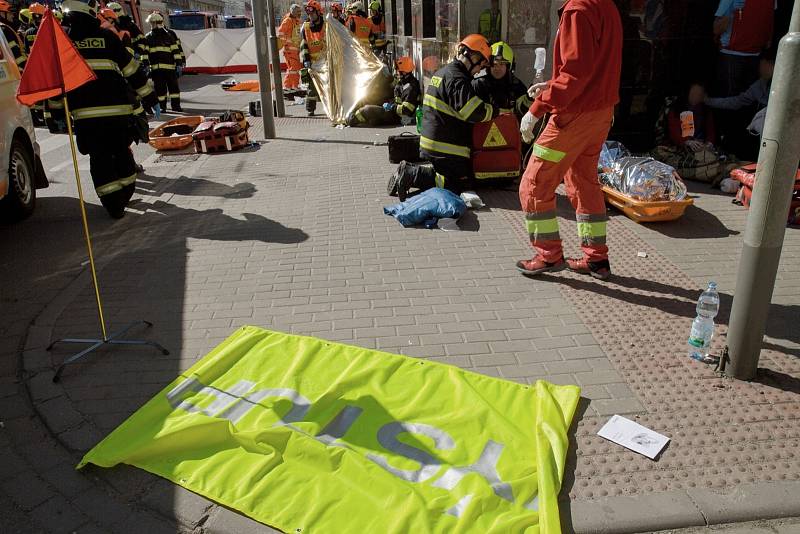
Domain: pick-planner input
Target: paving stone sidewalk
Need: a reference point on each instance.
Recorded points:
(290, 235)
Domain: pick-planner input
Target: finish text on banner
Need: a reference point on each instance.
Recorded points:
(313, 436)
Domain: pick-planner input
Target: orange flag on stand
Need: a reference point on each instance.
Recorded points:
(54, 66)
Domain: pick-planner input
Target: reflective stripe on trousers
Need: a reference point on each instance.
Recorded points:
(542, 226)
(116, 185)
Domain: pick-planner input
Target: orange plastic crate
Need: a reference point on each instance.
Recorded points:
(161, 141)
(643, 211)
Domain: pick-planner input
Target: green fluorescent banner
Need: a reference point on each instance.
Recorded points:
(317, 437)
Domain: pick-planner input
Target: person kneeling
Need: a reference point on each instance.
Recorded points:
(451, 107)
(406, 99)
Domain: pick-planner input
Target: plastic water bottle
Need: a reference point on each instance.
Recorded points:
(419, 119)
(539, 63)
(703, 326)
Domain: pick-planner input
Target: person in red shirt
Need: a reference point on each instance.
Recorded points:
(580, 97)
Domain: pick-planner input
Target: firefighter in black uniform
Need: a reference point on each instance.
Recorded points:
(102, 109)
(450, 108)
(500, 87)
(402, 110)
(37, 11)
(165, 58)
(125, 23)
(7, 25)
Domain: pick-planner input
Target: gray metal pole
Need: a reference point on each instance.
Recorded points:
(260, 26)
(766, 222)
(275, 59)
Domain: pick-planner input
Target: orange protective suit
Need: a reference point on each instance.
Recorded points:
(289, 33)
(581, 96)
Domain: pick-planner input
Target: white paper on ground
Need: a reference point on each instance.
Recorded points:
(633, 436)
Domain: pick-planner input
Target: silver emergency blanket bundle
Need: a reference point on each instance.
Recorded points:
(347, 74)
(641, 178)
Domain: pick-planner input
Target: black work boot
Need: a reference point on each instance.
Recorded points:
(402, 180)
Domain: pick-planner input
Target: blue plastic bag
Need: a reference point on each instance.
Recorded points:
(427, 208)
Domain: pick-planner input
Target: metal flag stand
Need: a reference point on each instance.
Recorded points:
(114, 338)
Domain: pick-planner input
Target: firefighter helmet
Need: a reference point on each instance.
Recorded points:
(5, 7)
(155, 19)
(336, 7)
(314, 6)
(108, 14)
(58, 15)
(87, 7)
(25, 16)
(118, 9)
(404, 65)
(37, 9)
(352, 7)
(476, 43)
(375, 5)
(501, 52)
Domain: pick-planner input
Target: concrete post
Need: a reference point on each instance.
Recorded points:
(260, 27)
(766, 222)
(275, 59)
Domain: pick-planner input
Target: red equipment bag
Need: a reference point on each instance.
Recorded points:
(747, 177)
(497, 148)
(213, 136)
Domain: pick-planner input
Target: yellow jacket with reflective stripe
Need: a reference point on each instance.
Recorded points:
(449, 108)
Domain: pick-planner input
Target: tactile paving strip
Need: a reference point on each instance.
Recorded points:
(724, 432)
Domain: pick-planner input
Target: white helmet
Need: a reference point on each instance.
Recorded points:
(155, 19)
(116, 8)
(355, 6)
(88, 7)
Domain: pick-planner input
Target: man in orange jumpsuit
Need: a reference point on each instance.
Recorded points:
(289, 34)
(580, 96)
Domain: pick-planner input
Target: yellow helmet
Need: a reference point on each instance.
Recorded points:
(502, 52)
(116, 8)
(25, 16)
(155, 19)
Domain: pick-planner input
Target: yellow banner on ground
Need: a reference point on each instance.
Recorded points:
(312, 436)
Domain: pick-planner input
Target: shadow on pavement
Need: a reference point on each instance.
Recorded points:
(154, 186)
(695, 224)
(680, 302)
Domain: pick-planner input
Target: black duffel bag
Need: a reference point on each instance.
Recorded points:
(403, 147)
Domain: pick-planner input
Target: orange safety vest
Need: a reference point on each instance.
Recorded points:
(289, 33)
(314, 40)
(379, 31)
(363, 28)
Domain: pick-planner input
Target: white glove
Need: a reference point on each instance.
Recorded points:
(526, 127)
(536, 89)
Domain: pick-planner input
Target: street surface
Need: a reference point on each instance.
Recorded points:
(290, 235)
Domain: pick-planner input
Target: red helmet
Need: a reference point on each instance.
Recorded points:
(404, 64)
(5, 7)
(477, 43)
(37, 9)
(336, 7)
(314, 5)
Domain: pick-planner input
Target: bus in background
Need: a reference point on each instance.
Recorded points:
(195, 20)
(237, 21)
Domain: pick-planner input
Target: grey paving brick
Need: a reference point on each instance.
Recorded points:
(526, 333)
(491, 335)
(466, 348)
(554, 343)
(458, 361)
(352, 323)
(417, 329)
(484, 360)
(456, 326)
(538, 356)
(598, 378)
(512, 346)
(524, 370)
(620, 391)
(582, 352)
(428, 339)
(58, 515)
(617, 406)
(28, 490)
(595, 393)
(563, 380)
(567, 330)
(571, 366)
